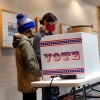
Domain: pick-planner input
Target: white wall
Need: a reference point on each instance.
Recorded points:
(71, 12)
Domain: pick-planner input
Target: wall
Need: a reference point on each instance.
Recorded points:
(71, 12)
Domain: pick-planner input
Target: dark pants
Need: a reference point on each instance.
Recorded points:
(50, 93)
(29, 96)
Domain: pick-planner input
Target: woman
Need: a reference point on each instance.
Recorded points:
(48, 23)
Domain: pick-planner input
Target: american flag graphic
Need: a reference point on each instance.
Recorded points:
(63, 71)
(61, 42)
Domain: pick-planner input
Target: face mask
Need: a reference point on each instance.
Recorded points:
(50, 28)
(30, 33)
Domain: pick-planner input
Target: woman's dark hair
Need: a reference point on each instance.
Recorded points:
(49, 17)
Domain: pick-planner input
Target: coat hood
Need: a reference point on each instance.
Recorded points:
(17, 38)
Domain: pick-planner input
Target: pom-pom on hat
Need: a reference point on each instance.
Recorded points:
(24, 23)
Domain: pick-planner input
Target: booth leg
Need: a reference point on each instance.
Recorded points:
(74, 90)
(84, 93)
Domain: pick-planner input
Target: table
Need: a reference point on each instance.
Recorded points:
(68, 83)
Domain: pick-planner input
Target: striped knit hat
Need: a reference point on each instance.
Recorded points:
(24, 23)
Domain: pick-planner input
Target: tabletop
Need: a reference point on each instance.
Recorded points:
(67, 82)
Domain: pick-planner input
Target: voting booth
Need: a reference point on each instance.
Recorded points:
(70, 54)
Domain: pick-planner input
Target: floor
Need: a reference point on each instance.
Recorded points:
(95, 93)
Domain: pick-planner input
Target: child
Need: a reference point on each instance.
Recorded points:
(26, 61)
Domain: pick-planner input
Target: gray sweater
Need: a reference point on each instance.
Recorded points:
(36, 43)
